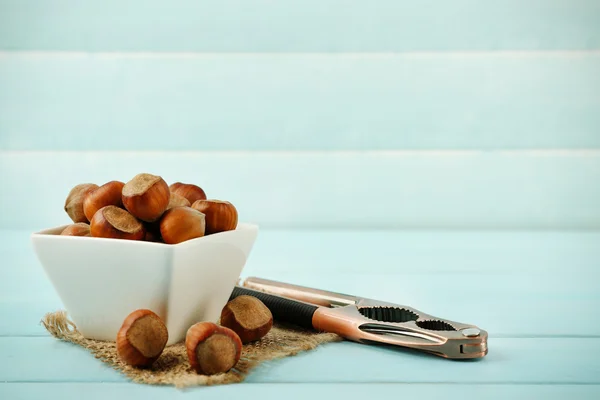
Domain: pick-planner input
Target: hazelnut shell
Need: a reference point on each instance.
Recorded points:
(248, 317)
(108, 194)
(146, 197)
(78, 229)
(177, 200)
(191, 192)
(74, 201)
(142, 338)
(180, 224)
(220, 215)
(211, 348)
(115, 223)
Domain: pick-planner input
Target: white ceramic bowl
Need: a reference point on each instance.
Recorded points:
(100, 281)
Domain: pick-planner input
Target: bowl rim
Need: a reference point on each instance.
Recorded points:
(54, 234)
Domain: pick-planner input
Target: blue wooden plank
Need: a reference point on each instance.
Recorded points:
(22, 318)
(359, 391)
(410, 252)
(510, 361)
(333, 190)
(47, 359)
(293, 25)
(511, 284)
(515, 361)
(299, 102)
(24, 280)
(530, 310)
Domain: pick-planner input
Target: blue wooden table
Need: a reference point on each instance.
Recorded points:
(537, 293)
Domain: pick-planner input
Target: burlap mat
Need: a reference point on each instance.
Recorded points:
(173, 368)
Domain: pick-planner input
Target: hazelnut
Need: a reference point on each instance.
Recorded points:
(108, 194)
(142, 338)
(180, 224)
(74, 202)
(78, 229)
(178, 200)
(220, 215)
(116, 223)
(211, 348)
(248, 317)
(146, 196)
(189, 191)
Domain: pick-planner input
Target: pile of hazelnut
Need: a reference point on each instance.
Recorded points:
(146, 208)
(211, 348)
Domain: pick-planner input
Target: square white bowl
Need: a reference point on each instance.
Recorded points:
(100, 281)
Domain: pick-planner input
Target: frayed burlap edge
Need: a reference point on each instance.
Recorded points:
(173, 368)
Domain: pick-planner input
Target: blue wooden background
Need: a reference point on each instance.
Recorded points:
(442, 154)
(447, 114)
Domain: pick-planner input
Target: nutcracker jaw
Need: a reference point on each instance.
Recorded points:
(443, 338)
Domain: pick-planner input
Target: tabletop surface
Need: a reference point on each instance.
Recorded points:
(537, 293)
